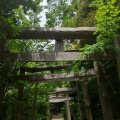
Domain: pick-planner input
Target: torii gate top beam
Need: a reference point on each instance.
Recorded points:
(57, 33)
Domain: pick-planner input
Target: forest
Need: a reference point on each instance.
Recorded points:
(26, 85)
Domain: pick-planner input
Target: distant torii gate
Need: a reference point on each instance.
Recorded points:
(62, 95)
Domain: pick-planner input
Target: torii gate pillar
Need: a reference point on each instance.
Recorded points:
(68, 108)
(59, 46)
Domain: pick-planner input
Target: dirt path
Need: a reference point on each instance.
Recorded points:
(57, 117)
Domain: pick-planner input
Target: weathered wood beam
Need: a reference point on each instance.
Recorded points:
(40, 56)
(57, 33)
(52, 77)
(65, 89)
(56, 96)
(45, 68)
(54, 56)
(48, 77)
(56, 100)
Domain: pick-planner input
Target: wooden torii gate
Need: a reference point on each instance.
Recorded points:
(59, 34)
(62, 95)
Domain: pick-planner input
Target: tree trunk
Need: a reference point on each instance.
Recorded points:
(2, 94)
(20, 102)
(2, 44)
(103, 93)
(87, 99)
(20, 99)
(48, 111)
(2, 86)
(117, 49)
(34, 102)
(80, 102)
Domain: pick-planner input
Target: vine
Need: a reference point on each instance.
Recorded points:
(108, 23)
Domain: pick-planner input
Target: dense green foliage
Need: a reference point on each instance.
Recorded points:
(12, 16)
(107, 18)
(19, 14)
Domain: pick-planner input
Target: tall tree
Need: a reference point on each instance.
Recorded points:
(12, 21)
